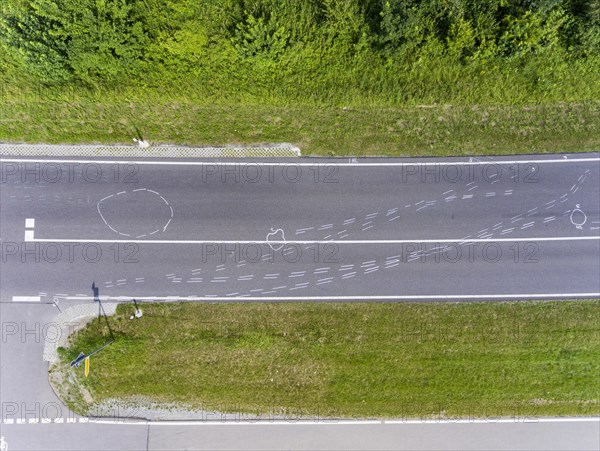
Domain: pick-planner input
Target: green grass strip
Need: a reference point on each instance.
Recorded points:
(354, 360)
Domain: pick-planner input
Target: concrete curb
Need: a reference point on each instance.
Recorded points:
(285, 150)
(70, 320)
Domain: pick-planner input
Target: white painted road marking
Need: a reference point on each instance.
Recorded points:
(309, 422)
(29, 224)
(134, 191)
(282, 243)
(26, 298)
(339, 298)
(311, 164)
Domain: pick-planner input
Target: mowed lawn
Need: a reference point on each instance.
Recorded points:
(353, 360)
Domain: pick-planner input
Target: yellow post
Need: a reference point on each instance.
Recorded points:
(87, 366)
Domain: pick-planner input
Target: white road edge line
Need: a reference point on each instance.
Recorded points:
(471, 240)
(336, 298)
(332, 422)
(309, 422)
(312, 164)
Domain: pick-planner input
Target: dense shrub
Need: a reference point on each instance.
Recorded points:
(87, 39)
(332, 50)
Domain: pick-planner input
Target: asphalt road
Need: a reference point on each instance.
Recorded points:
(33, 418)
(452, 229)
(305, 229)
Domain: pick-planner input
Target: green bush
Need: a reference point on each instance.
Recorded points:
(333, 51)
(257, 38)
(84, 39)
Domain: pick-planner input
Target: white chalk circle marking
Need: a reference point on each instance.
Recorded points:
(578, 217)
(139, 190)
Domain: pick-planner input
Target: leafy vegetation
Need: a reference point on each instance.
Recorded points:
(396, 50)
(366, 54)
(352, 360)
(86, 40)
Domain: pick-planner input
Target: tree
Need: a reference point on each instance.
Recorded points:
(82, 39)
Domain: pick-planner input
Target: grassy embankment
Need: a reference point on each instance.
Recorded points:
(316, 129)
(334, 77)
(353, 360)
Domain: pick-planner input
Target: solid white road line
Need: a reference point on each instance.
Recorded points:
(340, 298)
(26, 298)
(312, 164)
(471, 240)
(235, 421)
(333, 422)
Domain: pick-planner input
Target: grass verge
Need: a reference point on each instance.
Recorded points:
(353, 360)
(365, 129)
